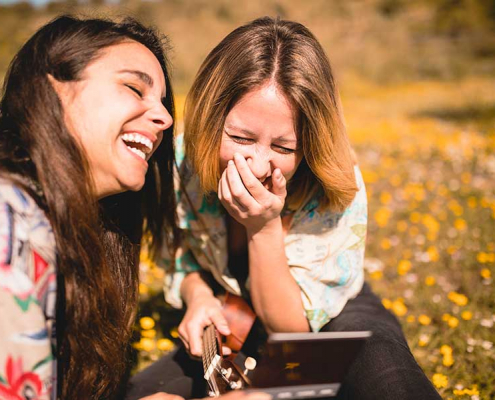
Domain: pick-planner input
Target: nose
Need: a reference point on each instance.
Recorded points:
(160, 116)
(260, 164)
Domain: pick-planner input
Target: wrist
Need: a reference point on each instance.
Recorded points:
(271, 228)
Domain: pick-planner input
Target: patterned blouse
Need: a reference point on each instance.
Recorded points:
(324, 249)
(27, 298)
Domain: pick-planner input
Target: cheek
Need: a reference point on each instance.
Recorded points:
(226, 153)
(289, 166)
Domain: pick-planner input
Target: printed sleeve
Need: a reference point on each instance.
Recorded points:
(326, 257)
(25, 350)
(185, 263)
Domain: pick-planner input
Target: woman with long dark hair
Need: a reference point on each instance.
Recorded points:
(85, 106)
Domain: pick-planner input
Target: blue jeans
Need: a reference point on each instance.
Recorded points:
(384, 370)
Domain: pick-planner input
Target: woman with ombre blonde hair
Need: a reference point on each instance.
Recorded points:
(273, 208)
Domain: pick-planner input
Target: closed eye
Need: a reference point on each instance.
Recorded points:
(135, 90)
(241, 140)
(285, 150)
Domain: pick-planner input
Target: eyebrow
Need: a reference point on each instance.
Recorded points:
(142, 76)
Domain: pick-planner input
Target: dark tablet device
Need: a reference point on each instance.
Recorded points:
(302, 365)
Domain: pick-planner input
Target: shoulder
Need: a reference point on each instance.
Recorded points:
(311, 218)
(27, 244)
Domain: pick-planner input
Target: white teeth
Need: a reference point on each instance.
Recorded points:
(138, 152)
(137, 138)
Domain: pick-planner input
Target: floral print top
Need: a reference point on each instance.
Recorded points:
(27, 298)
(324, 249)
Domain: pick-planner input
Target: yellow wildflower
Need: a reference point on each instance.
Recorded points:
(472, 202)
(470, 392)
(403, 267)
(410, 318)
(399, 308)
(385, 244)
(376, 275)
(446, 317)
(385, 198)
(413, 231)
(431, 223)
(460, 224)
(174, 333)
(415, 217)
(433, 253)
(485, 273)
(147, 344)
(424, 319)
(448, 360)
(147, 323)
(143, 289)
(165, 344)
(150, 333)
(387, 303)
(445, 349)
(430, 280)
(440, 380)
(457, 298)
(423, 340)
(467, 315)
(482, 257)
(451, 249)
(453, 322)
(382, 216)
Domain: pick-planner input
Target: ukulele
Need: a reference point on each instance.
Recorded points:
(221, 373)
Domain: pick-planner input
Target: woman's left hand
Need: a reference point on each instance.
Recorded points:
(250, 202)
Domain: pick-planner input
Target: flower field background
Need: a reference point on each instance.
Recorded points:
(427, 152)
(417, 80)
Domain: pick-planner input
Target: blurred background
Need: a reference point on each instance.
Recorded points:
(417, 79)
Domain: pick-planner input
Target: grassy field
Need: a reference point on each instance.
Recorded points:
(427, 154)
(426, 148)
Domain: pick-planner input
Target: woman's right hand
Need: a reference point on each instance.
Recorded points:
(202, 311)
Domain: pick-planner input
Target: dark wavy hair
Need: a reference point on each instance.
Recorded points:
(97, 242)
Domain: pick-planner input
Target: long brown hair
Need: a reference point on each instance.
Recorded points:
(97, 242)
(287, 54)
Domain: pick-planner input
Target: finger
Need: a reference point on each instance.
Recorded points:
(162, 396)
(226, 351)
(279, 184)
(220, 323)
(242, 395)
(237, 189)
(227, 199)
(183, 336)
(252, 184)
(195, 331)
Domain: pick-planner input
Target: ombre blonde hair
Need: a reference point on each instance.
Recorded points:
(287, 54)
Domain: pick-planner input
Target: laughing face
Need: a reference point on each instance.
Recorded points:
(115, 111)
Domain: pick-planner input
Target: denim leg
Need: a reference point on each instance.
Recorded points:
(385, 369)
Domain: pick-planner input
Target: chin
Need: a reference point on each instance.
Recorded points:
(133, 184)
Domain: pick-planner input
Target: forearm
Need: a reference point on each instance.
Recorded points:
(275, 294)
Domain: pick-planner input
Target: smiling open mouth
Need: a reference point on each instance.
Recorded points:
(138, 144)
